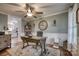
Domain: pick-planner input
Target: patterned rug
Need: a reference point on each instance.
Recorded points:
(31, 51)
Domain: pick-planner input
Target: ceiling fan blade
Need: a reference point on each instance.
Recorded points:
(20, 11)
(26, 6)
(39, 12)
(34, 16)
(29, 7)
(25, 16)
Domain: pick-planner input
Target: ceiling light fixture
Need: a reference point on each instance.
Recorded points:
(29, 12)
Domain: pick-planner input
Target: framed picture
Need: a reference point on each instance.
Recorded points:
(54, 22)
(77, 16)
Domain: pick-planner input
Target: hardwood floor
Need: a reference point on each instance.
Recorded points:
(63, 52)
(4, 52)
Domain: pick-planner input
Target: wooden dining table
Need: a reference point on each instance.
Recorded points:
(32, 39)
(37, 40)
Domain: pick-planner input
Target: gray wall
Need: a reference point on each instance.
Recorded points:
(78, 26)
(61, 24)
(3, 21)
(77, 29)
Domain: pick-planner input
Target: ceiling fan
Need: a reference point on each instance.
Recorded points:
(30, 11)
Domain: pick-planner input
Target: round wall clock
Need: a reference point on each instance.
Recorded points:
(43, 25)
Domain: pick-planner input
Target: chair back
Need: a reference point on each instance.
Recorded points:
(39, 33)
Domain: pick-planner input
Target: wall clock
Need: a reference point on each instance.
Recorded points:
(43, 25)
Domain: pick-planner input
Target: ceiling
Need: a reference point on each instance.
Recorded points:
(46, 8)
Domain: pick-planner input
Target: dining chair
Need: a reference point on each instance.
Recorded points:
(39, 33)
(43, 45)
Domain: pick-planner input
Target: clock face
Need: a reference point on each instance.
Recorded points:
(43, 25)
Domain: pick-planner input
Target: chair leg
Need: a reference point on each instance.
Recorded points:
(44, 49)
(23, 45)
(41, 50)
(27, 44)
(36, 45)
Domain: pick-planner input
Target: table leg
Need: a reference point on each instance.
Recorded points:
(23, 44)
(36, 44)
(41, 51)
(27, 44)
(44, 49)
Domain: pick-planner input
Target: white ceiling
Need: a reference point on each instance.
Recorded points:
(46, 8)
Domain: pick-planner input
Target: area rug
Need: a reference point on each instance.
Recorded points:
(31, 51)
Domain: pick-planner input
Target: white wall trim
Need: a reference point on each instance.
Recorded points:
(3, 13)
(51, 15)
(56, 13)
